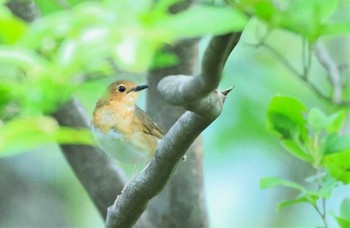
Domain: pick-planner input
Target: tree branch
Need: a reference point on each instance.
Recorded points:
(333, 71)
(98, 173)
(135, 197)
(182, 89)
(205, 109)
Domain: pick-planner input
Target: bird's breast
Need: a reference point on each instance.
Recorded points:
(121, 147)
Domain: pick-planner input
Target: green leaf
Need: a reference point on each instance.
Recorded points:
(338, 165)
(301, 199)
(328, 185)
(285, 117)
(343, 222)
(11, 27)
(335, 143)
(203, 20)
(48, 7)
(307, 17)
(319, 121)
(265, 9)
(164, 59)
(296, 150)
(345, 209)
(344, 218)
(305, 197)
(66, 135)
(336, 121)
(24, 59)
(335, 28)
(22, 134)
(269, 182)
(52, 6)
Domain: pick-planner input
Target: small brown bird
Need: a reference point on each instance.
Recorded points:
(120, 128)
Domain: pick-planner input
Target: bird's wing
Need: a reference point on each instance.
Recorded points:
(149, 127)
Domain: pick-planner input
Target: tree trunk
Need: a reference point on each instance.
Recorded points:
(181, 203)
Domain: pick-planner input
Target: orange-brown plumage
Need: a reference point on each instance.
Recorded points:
(121, 128)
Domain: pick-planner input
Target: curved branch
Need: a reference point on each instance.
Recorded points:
(182, 89)
(195, 94)
(135, 196)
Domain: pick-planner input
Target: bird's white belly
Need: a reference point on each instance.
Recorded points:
(114, 144)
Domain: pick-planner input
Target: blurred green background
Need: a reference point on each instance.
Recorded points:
(39, 189)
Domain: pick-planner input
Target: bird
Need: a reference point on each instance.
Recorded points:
(122, 129)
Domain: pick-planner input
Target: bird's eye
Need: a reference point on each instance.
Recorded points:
(121, 89)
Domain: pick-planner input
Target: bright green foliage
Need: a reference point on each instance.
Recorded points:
(344, 218)
(43, 63)
(338, 164)
(310, 19)
(285, 119)
(315, 139)
(305, 196)
(7, 20)
(22, 134)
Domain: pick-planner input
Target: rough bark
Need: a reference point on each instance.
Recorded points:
(181, 203)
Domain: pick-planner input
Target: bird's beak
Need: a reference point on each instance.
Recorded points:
(138, 88)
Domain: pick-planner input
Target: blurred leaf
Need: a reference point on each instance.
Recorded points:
(336, 121)
(47, 7)
(345, 208)
(335, 28)
(344, 218)
(338, 165)
(327, 187)
(52, 6)
(301, 199)
(265, 9)
(164, 59)
(164, 5)
(319, 121)
(135, 54)
(11, 27)
(343, 222)
(269, 182)
(296, 150)
(202, 20)
(335, 143)
(285, 117)
(24, 59)
(306, 17)
(66, 135)
(22, 134)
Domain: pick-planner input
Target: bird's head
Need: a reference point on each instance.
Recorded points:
(123, 92)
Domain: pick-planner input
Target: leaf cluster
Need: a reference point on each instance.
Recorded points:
(312, 137)
(43, 63)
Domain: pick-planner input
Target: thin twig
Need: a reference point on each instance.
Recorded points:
(332, 69)
(303, 76)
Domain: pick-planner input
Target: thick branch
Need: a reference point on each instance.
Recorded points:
(181, 89)
(98, 173)
(204, 108)
(135, 197)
